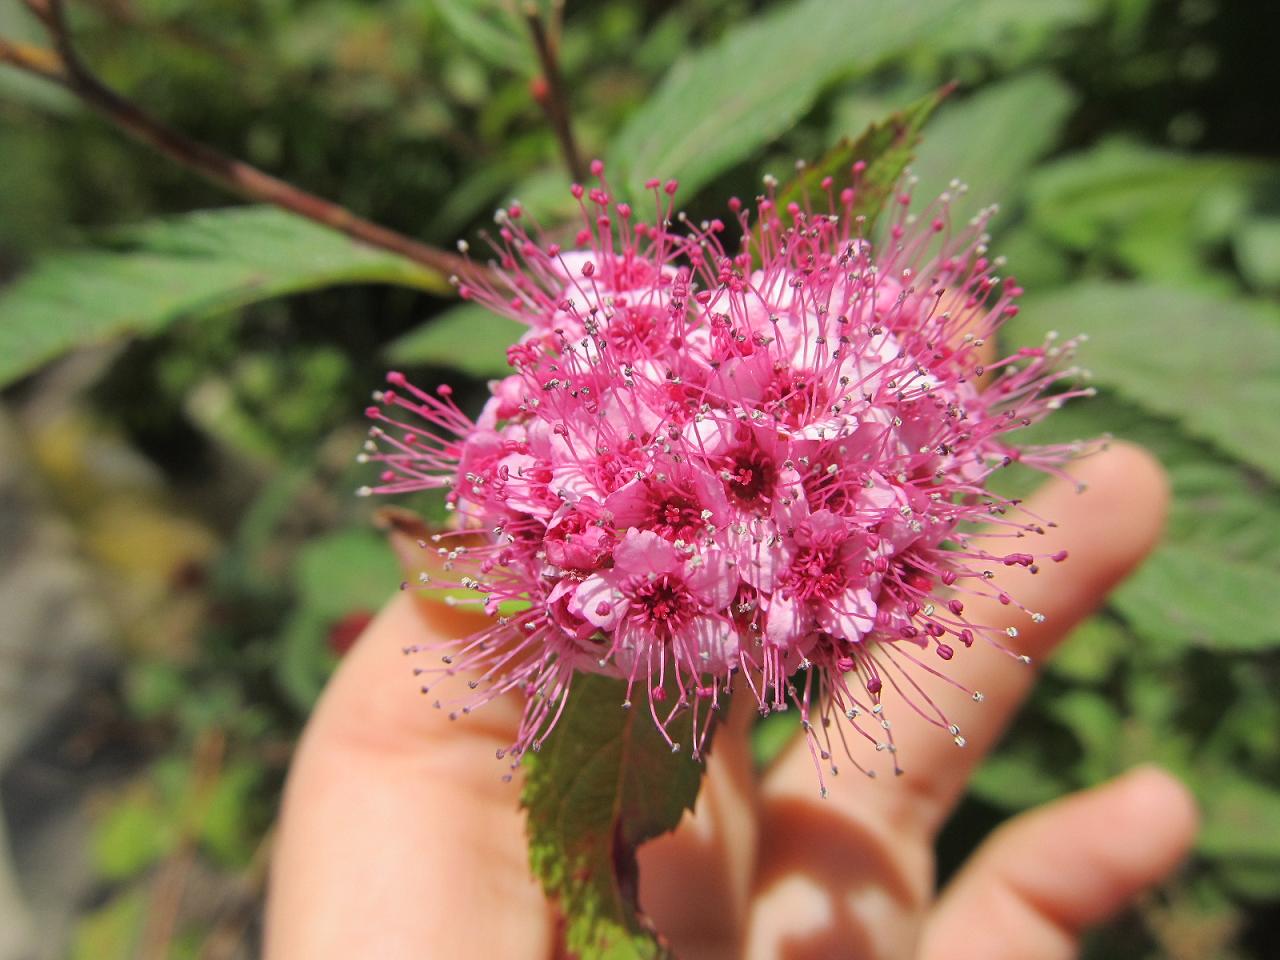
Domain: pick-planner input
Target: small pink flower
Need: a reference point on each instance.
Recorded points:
(719, 459)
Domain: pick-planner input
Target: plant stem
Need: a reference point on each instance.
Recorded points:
(556, 102)
(63, 66)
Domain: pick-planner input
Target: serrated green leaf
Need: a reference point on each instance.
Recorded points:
(1219, 507)
(719, 104)
(468, 337)
(1144, 207)
(604, 782)
(990, 140)
(162, 271)
(1210, 363)
(1184, 597)
(885, 147)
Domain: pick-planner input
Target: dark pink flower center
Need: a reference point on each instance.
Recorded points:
(751, 477)
(817, 573)
(793, 395)
(676, 516)
(662, 603)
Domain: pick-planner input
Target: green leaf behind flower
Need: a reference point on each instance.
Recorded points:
(142, 278)
(885, 147)
(719, 104)
(604, 783)
(1183, 597)
(1212, 364)
(990, 140)
(467, 337)
(1152, 212)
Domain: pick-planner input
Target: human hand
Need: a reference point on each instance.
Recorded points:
(398, 838)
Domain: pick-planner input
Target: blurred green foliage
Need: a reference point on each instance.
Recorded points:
(1140, 199)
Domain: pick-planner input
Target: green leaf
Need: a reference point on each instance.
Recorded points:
(1095, 723)
(149, 276)
(719, 104)
(1252, 880)
(467, 337)
(349, 572)
(885, 147)
(771, 735)
(492, 29)
(113, 931)
(990, 140)
(228, 827)
(1220, 508)
(1257, 250)
(1241, 819)
(1184, 596)
(1149, 210)
(1091, 652)
(604, 783)
(137, 831)
(1018, 777)
(1038, 264)
(1210, 363)
(1013, 31)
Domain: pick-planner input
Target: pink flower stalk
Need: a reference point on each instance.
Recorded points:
(716, 459)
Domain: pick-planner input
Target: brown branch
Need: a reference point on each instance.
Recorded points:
(34, 60)
(63, 65)
(554, 101)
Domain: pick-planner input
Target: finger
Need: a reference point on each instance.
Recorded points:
(1107, 530)
(850, 874)
(695, 882)
(398, 837)
(1046, 876)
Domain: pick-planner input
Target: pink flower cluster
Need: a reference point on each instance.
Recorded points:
(741, 452)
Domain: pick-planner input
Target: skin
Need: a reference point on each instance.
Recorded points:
(398, 838)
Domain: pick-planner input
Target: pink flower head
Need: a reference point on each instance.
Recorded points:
(724, 457)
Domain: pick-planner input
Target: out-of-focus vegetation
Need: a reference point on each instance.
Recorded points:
(199, 442)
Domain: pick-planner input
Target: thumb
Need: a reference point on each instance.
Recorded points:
(397, 836)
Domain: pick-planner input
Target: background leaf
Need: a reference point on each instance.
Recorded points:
(151, 275)
(991, 139)
(719, 104)
(1152, 211)
(1185, 597)
(467, 337)
(1243, 821)
(348, 573)
(1212, 364)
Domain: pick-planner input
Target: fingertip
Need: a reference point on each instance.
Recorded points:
(1107, 522)
(1163, 811)
(1130, 474)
